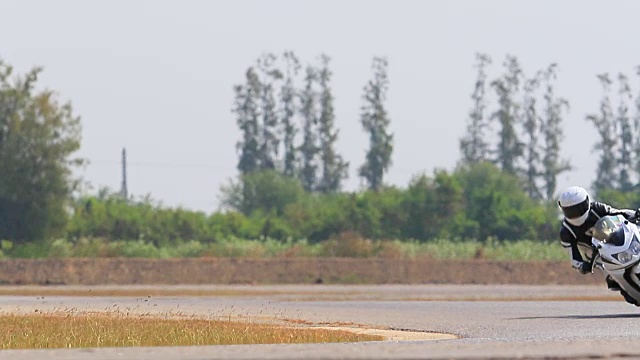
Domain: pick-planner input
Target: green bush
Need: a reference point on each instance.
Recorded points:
(348, 244)
(473, 202)
(189, 249)
(137, 248)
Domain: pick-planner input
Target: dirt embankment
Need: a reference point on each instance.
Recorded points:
(286, 271)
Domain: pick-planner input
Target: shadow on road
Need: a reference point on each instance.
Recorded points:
(605, 316)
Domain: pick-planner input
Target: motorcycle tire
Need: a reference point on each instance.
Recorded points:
(628, 298)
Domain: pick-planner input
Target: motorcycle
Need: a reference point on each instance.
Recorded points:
(616, 245)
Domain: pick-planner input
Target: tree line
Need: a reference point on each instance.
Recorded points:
(618, 125)
(526, 155)
(286, 117)
(527, 118)
(527, 115)
(475, 202)
(291, 174)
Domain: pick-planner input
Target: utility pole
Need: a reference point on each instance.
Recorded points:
(123, 190)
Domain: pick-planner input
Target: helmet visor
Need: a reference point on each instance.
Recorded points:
(577, 210)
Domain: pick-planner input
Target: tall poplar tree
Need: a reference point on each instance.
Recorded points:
(269, 140)
(474, 145)
(247, 117)
(636, 133)
(309, 148)
(623, 123)
(607, 145)
(288, 97)
(333, 167)
(510, 148)
(554, 107)
(375, 121)
(531, 124)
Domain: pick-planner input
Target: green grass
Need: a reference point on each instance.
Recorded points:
(344, 246)
(522, 250)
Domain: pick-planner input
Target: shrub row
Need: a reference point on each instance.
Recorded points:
(344, 245)
(472, 203)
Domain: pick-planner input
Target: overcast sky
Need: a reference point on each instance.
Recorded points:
(156, 76)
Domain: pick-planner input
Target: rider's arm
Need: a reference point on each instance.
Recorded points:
(570, 244)
(603, 209)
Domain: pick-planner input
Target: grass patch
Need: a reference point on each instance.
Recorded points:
(521, 250)
(68, 330)
(346, 244)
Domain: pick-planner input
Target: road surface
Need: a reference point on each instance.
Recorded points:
(488, 321)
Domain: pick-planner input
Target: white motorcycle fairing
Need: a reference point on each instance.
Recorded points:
(617, 242)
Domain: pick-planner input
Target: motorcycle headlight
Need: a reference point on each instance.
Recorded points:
(633, 250)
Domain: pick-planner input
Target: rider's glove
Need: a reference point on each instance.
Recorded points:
(585, 268)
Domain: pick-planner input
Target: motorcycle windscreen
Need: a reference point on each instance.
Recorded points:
(609, 229)
(616, 238)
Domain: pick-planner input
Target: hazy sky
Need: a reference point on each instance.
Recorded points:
(156, 76)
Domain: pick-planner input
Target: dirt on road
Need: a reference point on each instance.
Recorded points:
(122, 271)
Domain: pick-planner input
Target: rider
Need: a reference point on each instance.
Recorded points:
(580, 215)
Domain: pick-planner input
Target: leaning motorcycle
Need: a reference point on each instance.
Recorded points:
(616, 244)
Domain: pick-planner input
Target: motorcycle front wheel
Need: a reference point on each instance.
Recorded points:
(628, 298)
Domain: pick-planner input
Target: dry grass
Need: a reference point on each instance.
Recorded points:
(71, 330)
(134, 292)
(158, 291)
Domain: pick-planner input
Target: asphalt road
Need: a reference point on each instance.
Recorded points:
(572, 322)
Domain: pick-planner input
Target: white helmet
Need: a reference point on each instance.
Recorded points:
(575, 205)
